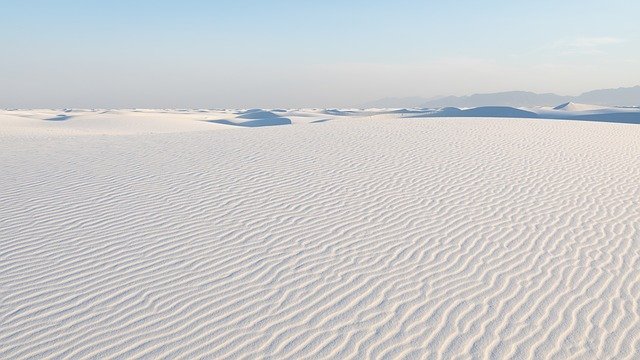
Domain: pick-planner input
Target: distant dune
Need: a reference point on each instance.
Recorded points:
(320, 234)
(567, 111)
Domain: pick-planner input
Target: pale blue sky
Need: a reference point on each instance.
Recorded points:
(206, 54)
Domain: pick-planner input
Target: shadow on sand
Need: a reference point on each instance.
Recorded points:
(254, 123)
(509, 112)
(61, 117)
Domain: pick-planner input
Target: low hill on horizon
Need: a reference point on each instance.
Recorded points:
(629, 96)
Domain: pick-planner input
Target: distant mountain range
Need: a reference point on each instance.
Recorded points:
(607, 97)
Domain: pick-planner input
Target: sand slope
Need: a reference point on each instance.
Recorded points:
(370, 236)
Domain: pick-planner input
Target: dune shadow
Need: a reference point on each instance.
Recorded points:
(622, 118)
(254, 123)
(336, 112)
(60, 117)
(509, 112)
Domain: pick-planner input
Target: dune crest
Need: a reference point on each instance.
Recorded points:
(571, 106)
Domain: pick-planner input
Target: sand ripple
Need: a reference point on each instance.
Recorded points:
(405, 238)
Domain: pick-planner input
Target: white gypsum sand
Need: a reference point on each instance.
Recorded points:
(345, 235)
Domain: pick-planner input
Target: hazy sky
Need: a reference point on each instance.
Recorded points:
(205, 54)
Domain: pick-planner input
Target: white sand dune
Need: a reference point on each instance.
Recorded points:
(571, 106)
(104, 122)
(154, 234)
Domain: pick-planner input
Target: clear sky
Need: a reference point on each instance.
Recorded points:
(206, 54)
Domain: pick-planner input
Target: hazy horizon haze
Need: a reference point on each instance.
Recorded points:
(197, 54)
